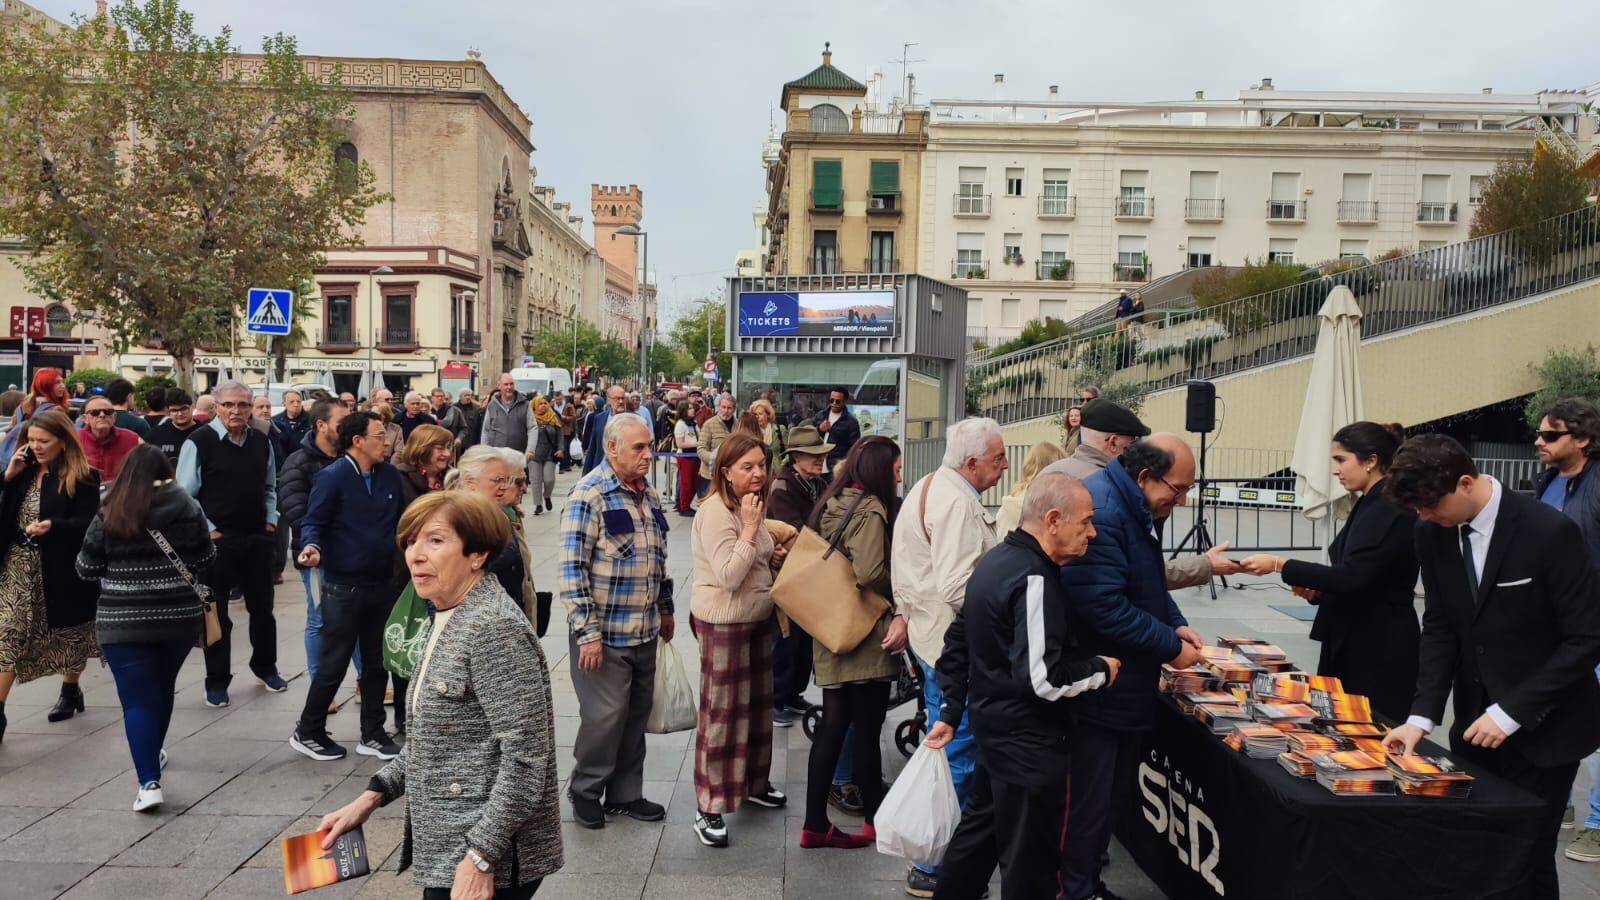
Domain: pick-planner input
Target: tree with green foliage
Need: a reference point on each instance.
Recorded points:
(609, 357)
(91, 377)
(148, 383)
(158, 174)
(689, 334)
(1563, 374)
(1523, 192)
(1033, 333)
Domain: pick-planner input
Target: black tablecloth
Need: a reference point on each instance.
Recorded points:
(1206, 821)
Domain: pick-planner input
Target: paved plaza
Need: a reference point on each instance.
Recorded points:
(234, 787)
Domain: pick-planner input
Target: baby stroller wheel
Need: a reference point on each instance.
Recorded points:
(811, 721)
(908, 735)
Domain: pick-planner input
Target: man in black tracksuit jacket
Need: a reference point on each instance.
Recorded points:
(1012, 660)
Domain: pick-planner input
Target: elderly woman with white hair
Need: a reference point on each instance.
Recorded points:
(492, 473)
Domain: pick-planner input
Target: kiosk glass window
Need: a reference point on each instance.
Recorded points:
(803, 384)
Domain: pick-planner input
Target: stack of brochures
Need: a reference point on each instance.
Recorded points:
(1353, 773)
(1429, 776)
(1257, 741)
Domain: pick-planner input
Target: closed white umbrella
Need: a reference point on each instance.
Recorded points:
(1333, 400)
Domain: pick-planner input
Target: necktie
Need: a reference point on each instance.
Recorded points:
(1466, 557)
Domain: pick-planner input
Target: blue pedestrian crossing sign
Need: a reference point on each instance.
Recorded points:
(268, 311)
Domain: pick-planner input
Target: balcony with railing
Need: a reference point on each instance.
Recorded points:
(1122, 272)
(827, 201)
(1203, 209)
(880, 265)
(466, 341)
(1286, 210)
(1358, 212)
(974, 205)
(823, 265)
(1431, 212)
(1058, 207)
(883, 205)
(968, 268)
(1136, 207)
(1053, 270)
(398, 338)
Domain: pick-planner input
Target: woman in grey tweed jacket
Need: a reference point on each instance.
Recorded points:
(478, 768)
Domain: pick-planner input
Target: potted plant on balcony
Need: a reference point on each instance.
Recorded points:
(1060, 271)
(1014, 259)
(979, 272)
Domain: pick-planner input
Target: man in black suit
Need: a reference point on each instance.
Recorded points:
(1512, 621)
(838, 426)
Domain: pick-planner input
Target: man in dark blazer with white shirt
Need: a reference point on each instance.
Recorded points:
(1511, 622)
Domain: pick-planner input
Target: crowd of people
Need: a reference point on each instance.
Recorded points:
(1036, 634)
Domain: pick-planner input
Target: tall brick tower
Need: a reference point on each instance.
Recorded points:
(614, 206)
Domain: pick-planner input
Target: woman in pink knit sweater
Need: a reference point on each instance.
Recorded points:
(731, 614)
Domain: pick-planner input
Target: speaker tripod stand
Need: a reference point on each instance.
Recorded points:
(1199, 533)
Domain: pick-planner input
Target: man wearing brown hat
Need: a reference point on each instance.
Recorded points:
(1108, 429)
(794, 493)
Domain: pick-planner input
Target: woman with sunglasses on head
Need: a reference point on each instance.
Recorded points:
(149, 617)
(47, 501)
(492, 474)
(1366, 617)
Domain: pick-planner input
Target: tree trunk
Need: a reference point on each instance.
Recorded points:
(182, 366)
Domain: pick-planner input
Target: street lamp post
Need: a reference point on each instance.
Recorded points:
(644, 312)
(372, 327)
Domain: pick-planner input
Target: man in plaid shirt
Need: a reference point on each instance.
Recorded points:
(613, 579)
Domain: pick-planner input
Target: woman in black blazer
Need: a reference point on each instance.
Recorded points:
(1366, 616)
(47, 500)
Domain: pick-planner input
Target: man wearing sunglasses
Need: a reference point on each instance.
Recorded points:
(105, 443)
(1568, 442)
(838, 425)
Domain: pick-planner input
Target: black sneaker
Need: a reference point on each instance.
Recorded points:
(771, 798)
(319, 747)
(273, 682)
(640, 809)
(378, 744)
(587, 811)
(797, 708)
(920, 883)
(712, 831)
(782, 718)
(846, 799)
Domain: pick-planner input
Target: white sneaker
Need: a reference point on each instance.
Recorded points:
(149, 797)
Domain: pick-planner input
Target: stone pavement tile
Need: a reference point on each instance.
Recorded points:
(47, 782)
(284, 759)
(79, 835)
(755, 848)
(666, 765)
(267, 884)
(247, 724)
(386, 884)
(563, 886)
(15, 818)
(96, 718)
(383, 837)
(567, 731)
(41, 880)
(836, 889)
(682, 807)
(113, 883)
(181, 790)
(20, 748)
(221, 755)
(207, 842)
(691, 887)
(623, 846)
(269, 795)
(865, 864)
(678, 740)
(349, 789)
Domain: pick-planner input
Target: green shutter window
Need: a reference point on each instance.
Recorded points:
(827, 184)
(885, 178)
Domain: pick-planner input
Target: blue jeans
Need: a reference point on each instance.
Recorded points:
(845, 772)
(314, 631)
(1592, 763)
(146, 675)
(962, 751)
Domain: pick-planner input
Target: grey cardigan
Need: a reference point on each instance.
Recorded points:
(479, 766)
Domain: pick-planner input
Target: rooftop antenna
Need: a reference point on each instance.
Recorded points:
(905, 81)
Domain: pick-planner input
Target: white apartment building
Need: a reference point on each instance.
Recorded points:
(1046, 209)
(560, 268)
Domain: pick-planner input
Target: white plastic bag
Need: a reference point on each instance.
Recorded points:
(919, 816)
(673, 708)
(575, 449)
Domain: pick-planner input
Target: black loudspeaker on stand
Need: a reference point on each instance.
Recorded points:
(1200, 417)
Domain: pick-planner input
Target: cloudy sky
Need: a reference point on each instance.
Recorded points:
(674, 95)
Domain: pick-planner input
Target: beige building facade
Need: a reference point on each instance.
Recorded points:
(1047, 209)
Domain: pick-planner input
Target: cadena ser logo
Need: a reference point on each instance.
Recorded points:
(1173, 806)
(770, 309)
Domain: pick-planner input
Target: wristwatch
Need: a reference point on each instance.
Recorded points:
(481, 862)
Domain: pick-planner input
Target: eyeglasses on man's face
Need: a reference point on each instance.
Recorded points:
(1551, 437)
(100, 413)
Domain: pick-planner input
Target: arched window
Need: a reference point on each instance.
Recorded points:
(829, 118)
(348, 162)
(58, 322)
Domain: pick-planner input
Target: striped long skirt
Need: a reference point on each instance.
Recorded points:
(733, 740)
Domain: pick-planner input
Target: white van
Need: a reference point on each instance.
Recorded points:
(541, 380)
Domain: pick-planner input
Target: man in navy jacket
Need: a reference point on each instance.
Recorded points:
(1122, 609)
(1014, 653)
(348, 534)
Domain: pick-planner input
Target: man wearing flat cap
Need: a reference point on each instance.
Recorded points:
(794, 493)
(1108, 429)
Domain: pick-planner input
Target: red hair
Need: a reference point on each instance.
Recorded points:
(46, 382)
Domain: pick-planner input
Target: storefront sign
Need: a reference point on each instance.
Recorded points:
(258, 363)
(816, 314)
(66, 348)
